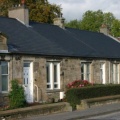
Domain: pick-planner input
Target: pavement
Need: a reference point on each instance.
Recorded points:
(81, 114)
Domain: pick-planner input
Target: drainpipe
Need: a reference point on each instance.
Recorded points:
(109, 73)
(12, 66)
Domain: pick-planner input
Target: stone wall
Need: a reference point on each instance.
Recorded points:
(24, 113)
(69, 71)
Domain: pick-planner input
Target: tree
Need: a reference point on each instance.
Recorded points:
(92, 20)
(108, 19)
(43, 11)
(116, 28)
(40, 10)
(73, 24)
(4, 5)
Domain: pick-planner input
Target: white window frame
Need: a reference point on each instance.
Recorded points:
(86, 74)
(115, 73)
(50, 75)
(102, 73)
(4, 75)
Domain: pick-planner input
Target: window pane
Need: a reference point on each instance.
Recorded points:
(88, 68)
(55, 73)
(88, 71)
(101, 75)
(4, 83)
(55, 85)
(48, 86)
(82, 71)
(48, 74)
(116, 73)
(82, 68)
(85, 71)
(112, 74)
(4, 67)
(26, 64)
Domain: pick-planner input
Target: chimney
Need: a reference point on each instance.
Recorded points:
(20, 12)
(104, 29)
(59, 21)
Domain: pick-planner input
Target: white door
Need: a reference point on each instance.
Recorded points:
(28, 82)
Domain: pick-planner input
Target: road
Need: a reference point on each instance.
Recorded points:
(112, 116)
(114, 109)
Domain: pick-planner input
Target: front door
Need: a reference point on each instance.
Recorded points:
(28, 81)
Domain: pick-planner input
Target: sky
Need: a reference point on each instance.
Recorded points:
(74, 9)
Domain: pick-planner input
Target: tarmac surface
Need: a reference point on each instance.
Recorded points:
(79, 115)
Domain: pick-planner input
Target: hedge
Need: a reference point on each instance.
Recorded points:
(75, 95)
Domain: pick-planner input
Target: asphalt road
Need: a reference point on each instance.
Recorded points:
(110, 111)
(112, 116)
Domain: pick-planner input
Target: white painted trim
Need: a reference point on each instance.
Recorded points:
(85, 71)
(58, 74)
(104, 77)
(30, 78)
(118, 74)
(51, 73)
(114, 38)
(103, 68)
(4, 51)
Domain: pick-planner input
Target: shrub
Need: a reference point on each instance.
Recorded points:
(16, 95)
(78, 84)
(75, 95)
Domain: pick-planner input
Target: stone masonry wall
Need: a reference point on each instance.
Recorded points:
(69, 71)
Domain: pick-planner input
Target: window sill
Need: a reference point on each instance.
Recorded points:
(53, 90)
(4, 94)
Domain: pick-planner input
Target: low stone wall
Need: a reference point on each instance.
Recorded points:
(20, 113)
(93, 102)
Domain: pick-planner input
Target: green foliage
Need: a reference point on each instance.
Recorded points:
(108, 19)
(75, 95)
(4, 5)
(73, 24)
(16, 95)
(40, 10)
(92, 21)
(116, 28)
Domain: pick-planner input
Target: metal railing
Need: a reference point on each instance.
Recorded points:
(37, 100)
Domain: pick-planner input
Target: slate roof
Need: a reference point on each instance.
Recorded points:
(46, 39)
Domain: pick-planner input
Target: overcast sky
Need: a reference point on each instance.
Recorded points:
(74, 9)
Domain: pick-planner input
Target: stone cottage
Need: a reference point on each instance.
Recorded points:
(44, 58)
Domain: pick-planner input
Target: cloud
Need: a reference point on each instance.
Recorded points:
(74, 9)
